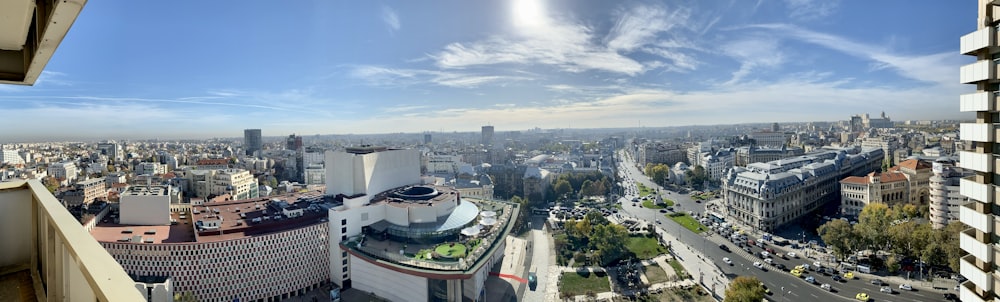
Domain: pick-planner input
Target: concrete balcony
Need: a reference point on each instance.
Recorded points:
(43, 243)
(978, 40)
(976, 161)
(980, 101)
(975, 247)
(972, 189)
(967, 293)
(982, 279)
(979, 132)
(982, 70)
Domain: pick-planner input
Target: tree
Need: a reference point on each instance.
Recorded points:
(609, 241)
(562, 187)
(594, 217)
(949, 237)
(745, 289)
(184, 297)
(872, 224)
(522, 215)
(839, 235)
(911, 211)
(892, 264)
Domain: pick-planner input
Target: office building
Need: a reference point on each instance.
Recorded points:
(979, 240)
(769, 139)
(293, 142)
(65, 171)
(768, 195)
(755, 154)
(487, 136)
(112, 149)
(252, 141)
(145, 205)
(11, 157)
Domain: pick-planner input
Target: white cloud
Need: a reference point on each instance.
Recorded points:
(384, 76)
(941, 68)
(640, 25)
(808, 10)
(753, 53)
(390, 18)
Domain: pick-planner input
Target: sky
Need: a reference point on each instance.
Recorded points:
(200, 69)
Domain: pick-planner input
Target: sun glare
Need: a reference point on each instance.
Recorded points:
(528, 13)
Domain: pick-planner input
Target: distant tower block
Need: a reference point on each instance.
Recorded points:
(487, 135)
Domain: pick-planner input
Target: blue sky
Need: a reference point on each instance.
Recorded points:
(193, 69)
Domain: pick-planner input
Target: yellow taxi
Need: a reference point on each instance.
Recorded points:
(800, 267)
(849, 275)
(862, 297)
(796, 272)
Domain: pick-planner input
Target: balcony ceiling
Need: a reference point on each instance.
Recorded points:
(31, 32)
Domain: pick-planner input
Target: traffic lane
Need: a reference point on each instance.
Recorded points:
(849, 288)
(778, 282)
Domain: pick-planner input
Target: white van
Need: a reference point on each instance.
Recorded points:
(864, 269)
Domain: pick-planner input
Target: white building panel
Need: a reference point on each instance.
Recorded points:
(980, 101)
(387, 283)
(974, 247)
(975, 161)
(974, 190)
(975, 132)
(967, 295)
(982, 279)
(977, 40)
(975, 72)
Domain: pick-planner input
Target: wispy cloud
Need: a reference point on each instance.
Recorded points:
(807, 10)
(385, 76)
(753, 53)
(941, 68)
(390, 18)
(570, 46)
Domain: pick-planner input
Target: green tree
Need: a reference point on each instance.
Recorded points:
(911, 210)
(562, 187)
(521, 223)
(745, 289)
(609, 240)
(949, 236)
(872, 224)
(839, 235)
(892, 264)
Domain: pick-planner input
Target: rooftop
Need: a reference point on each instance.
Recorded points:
(145, 191)
(235, 219)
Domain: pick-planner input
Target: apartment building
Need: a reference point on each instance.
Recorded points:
(946, 198)
(889, 188)
(979, 240)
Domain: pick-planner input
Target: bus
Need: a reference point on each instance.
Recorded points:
(540, 211)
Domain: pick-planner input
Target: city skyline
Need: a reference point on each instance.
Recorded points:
(335, 68)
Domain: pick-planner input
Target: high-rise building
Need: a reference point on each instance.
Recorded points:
(979, 240)
(427, 138)
(252, 141)
(293, 142)
(487, 135)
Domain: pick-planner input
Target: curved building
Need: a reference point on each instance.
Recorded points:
(404, 241)
(946, 196)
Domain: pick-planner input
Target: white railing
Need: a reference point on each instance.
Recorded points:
(980, 101)
(977, 40)
(40, 235)
(976, 161)
(979, 132)
(972, 189)
(982, 70)
(974, 247)
(981, 279)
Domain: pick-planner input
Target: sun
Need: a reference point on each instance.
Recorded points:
(528, 13)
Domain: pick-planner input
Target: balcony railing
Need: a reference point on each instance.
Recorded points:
(980, 278)
(979, 101)
(972, 189)
(975, 161)
(973, 42)
(968, 242)
(966, 293)
(65, 262)
(979, 132)
(982, 70)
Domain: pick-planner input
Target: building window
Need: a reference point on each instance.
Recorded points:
(345, 269)
(343, 222)
(343, 230)
(345, 261)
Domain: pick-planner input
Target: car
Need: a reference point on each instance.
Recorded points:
(757, 264)
(885, 289)
(800, 267)
(724, 247)
(807, 267)
(878, 282)
(797, 273)
(663, 210)
(849, 275)
(818, 265)
(532, 280)
(905, 287)
(727, 261)
(838, 278)
(764, 254)
(826, 287)
(780, 266)
(861, 297)
(769, 261)
(766, 290)
(811, 280)
(950, 297)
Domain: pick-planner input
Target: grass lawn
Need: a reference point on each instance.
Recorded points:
(650, 205)
(643, 190)
(687, 221)
(655, 274)
(678, 268)
(644, 247)
(579, 283)
(693, 294)
(455, 251)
